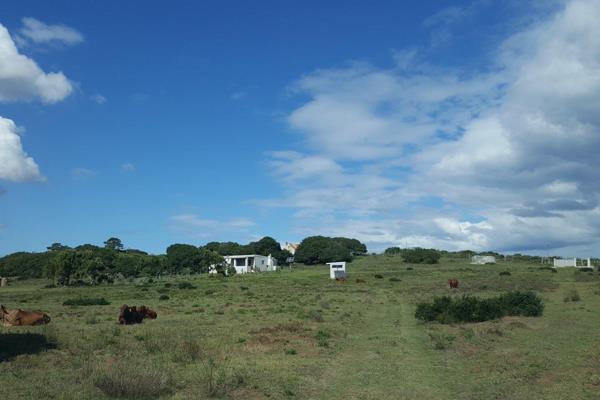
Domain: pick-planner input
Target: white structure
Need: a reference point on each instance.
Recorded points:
(483, 260)
(291, 247)
(337, 269)
(251, 263)
(572, 262)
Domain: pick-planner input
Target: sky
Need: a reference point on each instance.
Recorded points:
(454, 125)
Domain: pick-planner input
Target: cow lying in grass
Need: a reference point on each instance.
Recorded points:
(19, 317)
(135, 315)
(453, 283)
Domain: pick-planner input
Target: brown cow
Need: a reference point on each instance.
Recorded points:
(135, 315)
(453, 283)
(19, 317)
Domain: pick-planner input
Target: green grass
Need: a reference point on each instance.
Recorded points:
(297, 334)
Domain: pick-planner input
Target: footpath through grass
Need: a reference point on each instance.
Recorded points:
(297, 334)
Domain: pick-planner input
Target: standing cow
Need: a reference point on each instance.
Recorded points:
(453, 283)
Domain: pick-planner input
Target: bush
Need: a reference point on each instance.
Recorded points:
(586, 269)
(409, 268)
(504, 273)
(378, 276)
(447, 310)
(86, 301)
(394, 279)
(572, 295)
(164, 297)
(421, 256)
(322, 337)
(124, 380)
(185, 285)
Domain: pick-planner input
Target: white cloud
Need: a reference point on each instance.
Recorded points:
(15, 164)
(98, 99)
(128, 167)
(510, 151)
(22, 79)
(38, 32)
(197, 227)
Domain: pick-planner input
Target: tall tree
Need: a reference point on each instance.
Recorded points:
(113, 243)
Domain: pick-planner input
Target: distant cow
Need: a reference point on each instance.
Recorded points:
(359, 280)
(135, 315)
(19, 317)
(453, 283)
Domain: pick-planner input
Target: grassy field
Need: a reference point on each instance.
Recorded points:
(296, 334)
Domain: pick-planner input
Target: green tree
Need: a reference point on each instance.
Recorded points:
(113, 243)
(321, 249)
(57, 247)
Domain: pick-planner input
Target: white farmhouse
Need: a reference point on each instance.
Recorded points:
(337, 269)
(251, 263)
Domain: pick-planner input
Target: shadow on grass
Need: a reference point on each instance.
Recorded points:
(14, 344)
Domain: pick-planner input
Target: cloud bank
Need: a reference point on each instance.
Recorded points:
(21, 79)
(507, 154)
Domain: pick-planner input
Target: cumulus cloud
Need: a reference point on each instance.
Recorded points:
(195, 226)
(15, 164)
(510, 150)
(22, 79)
(39, 32)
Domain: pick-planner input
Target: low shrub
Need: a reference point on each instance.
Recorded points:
(316, 316)
(394, 279)
(86, 301)
(409, 268)
(449, 310)
(244, 288)
(504, 273)
(185, 285)
(322, 337)
(586, 269)
(167, 285)
(572, 295)
(164, 297)
(132, 381)
(291, 351)
(378, 276)
(209, 292)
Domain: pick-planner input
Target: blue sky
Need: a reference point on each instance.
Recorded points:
(422, 124)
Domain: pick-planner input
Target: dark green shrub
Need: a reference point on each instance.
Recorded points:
(409, 268)
(86, 301)
(164, 297)
(527, 304)
(447, 310)
(168, 285)
(586, 269)
(394, 279)
(504, 273)
(185, 285)
(378, 276)
(244, 288)
(421, 256)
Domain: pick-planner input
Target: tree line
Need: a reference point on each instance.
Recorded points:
(91, 264)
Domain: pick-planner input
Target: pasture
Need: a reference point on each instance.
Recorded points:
(299, 335)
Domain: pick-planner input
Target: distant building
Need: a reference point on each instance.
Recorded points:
(291, 247)
(572, 262)
(483, 260)
(251, 263)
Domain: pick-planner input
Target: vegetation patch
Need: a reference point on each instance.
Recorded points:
(127, 381)
(572, 295)
(185, 285)
(86, 301)
(449, 310)
(504, 273)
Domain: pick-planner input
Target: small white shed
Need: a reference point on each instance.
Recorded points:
(337, 269)
(483, 260)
